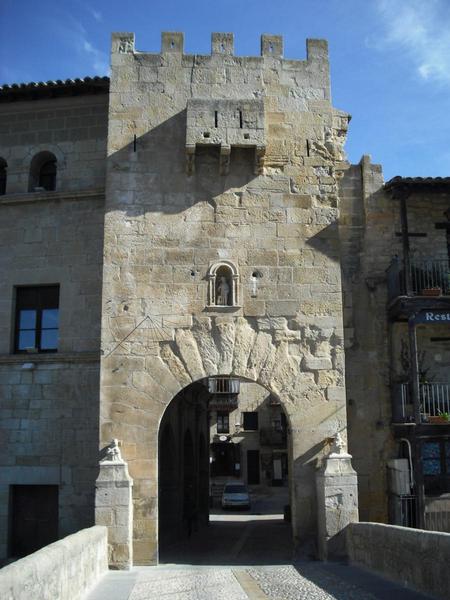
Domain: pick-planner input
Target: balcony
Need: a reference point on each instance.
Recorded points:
(434, 401)
(427, 277)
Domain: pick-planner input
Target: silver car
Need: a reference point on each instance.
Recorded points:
(235, 494)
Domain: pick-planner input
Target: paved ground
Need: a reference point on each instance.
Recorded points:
(243, 556)
(300, 581)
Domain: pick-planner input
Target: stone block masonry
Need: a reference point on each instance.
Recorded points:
(414, 558)
(221, 160)
(65, 570)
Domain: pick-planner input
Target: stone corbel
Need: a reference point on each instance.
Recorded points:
(190, 159)
(225, 154)
(260, 152)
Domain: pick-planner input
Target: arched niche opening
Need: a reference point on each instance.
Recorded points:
(223, 285)
(43, 170)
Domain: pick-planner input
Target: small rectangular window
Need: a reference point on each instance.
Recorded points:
(250, 421)
(37, 319)
(223, 422)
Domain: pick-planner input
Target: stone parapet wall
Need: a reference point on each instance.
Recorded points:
(65, 570)
(415, 558)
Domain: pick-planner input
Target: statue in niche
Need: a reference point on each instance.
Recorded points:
(222, 292)
(223, 284)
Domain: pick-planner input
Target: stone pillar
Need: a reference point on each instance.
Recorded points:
(337, 499)
(114, 507)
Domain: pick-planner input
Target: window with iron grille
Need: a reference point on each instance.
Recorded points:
(223, 422)
(37, 317)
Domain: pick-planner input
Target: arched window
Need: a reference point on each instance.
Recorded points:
(43, 172)
(223, 280)
(3, 168)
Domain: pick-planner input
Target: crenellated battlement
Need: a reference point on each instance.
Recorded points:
(226, 102)
(221, 44)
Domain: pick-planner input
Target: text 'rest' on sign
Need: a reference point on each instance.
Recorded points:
(434, 317)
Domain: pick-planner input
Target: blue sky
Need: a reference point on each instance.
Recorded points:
(390, 59)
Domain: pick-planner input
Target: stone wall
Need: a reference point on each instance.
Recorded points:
(49, 402)
(65, 570)
(270, 210)
(54, 240)
(73, 129)
(369, 225)
(412, 557)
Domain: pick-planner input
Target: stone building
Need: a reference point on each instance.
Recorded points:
(194, 219)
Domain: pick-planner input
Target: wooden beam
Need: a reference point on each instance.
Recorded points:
(405, 244)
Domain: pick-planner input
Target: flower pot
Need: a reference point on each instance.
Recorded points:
(436, 291)
(437, 420)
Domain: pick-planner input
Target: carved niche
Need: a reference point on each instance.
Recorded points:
(223, 284)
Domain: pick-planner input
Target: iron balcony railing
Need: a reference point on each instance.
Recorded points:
(436, 517)
(437, 514)
(404, 510)
(434, 399)
(223, 385)
(428, 277)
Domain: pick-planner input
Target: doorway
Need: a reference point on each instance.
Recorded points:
(253, 467)
(34, 518)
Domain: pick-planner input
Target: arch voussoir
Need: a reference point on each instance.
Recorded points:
(160, 371)
(226, 334)
(206, 345)
(175, 365)
(243, 343)
(190, 354)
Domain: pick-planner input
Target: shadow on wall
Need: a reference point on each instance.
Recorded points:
(149, 174)
(326, 240)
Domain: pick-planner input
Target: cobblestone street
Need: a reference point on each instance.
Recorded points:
(244, 557)
(300, 581)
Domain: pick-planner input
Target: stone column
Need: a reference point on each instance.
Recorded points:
(114, 507)
(337, 499)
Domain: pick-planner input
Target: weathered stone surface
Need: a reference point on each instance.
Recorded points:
(313, 363)
(175, 207)
(406, 555)
(114, 496)
(337, 493)
(66, 569)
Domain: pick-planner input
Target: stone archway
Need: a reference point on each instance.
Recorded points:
(192, 498)
(301, 363)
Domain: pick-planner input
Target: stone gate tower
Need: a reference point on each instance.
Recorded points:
(221, 251)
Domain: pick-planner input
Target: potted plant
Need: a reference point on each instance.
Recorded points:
(433, 282)
(440, 418)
